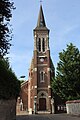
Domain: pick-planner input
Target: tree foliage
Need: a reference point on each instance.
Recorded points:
(67, 81)
(9, 85)
(5, 32)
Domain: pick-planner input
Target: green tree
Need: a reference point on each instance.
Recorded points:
(67, 81)
(9, 84)
(5, 32)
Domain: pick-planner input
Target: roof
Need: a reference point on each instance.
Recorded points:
(41, 25)
(41, 20)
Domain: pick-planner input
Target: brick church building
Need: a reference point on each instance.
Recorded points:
(36, 92)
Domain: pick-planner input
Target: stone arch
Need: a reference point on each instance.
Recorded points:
(42, 95)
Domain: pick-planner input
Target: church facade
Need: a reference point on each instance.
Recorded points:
(36, 93)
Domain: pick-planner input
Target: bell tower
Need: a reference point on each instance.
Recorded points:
(36, 92)
(41, 79)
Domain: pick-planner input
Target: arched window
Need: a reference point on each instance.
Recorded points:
(39, 45)
(41, 76)
(43, 45)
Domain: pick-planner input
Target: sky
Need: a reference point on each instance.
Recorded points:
(62, 18)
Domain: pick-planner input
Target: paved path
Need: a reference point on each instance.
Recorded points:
(48, 117)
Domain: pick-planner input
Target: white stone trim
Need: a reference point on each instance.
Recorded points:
(35, 86)
(24, 83)
(35, 96)
(47, 41)
(47, 36)
(42, 64)
(30, 111)
(49, 86)
(42, 56)
(49, 96)
(48, 69)
(41, 45)
(35, 42)
(35, 35)
(35, 69)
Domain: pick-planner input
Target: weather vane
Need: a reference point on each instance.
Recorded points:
(41, 1)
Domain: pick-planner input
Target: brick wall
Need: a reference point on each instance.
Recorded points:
(7, 110)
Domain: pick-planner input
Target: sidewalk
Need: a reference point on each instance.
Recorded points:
(22, 113)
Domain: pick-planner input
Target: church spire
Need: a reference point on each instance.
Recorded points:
(41, 20)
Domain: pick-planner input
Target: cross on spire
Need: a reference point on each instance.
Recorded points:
(41, 1)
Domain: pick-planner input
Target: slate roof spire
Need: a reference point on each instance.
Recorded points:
(41, 20)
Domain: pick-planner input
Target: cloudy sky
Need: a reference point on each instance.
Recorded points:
(62, 18)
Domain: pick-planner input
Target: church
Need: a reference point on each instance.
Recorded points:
(36, 92)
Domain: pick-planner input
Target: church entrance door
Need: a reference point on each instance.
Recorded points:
(42, 104)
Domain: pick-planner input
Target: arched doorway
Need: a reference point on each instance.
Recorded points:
(42, 104)
(42, 101)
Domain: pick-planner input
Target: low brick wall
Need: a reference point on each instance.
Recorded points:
(73, 107)
(7, 110)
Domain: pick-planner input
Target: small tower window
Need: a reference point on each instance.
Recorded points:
(41, 76)
(43, 45)
(39, 44)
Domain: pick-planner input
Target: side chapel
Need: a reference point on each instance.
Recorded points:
(36, 93)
